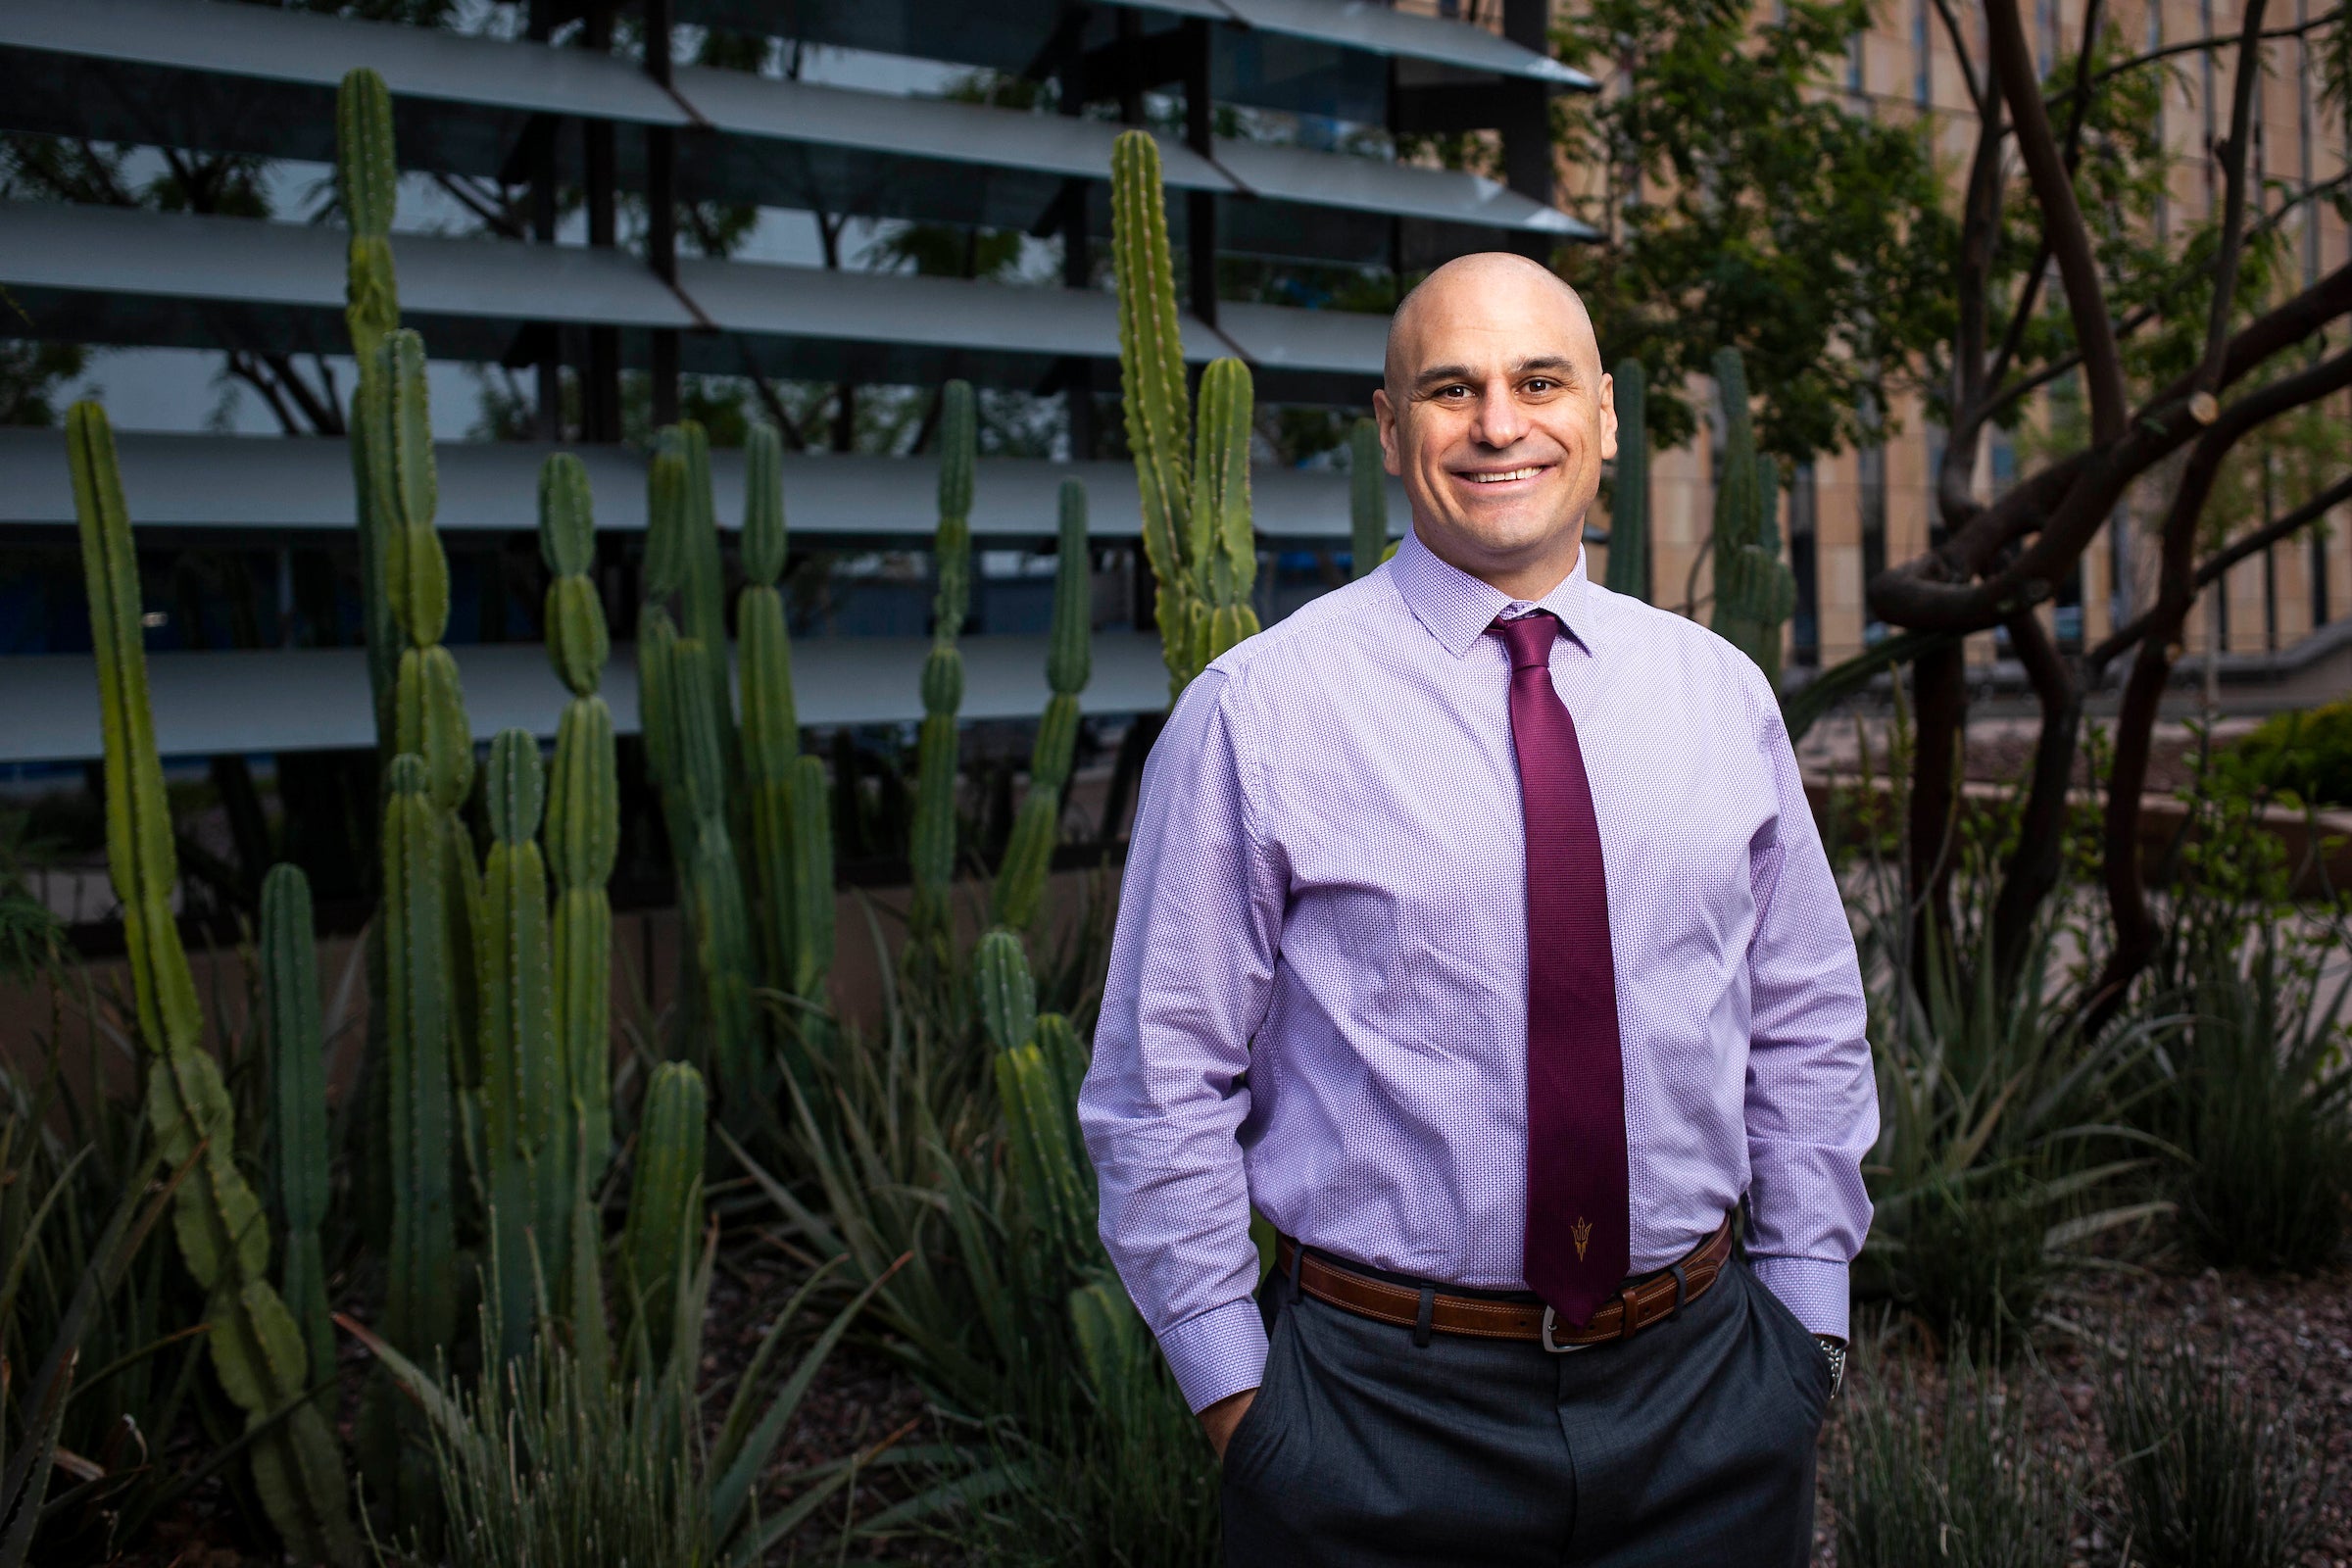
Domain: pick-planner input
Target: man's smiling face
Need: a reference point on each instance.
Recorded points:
(1497, 416)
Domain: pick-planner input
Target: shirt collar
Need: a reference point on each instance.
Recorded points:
(1458, 608)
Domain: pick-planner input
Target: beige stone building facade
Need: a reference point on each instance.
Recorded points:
(1852, 513)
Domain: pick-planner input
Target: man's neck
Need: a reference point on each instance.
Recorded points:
(1525, 581)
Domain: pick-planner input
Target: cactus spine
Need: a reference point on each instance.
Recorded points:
(665, 1201)
(527, 1120)
(1367, 500)
(1029, 853)
(771, 735)
(1755, 590)
(296, 1045)
(1196, 503)
(256, 1347)
(583, 827)
(1629, 497)
(931, 846)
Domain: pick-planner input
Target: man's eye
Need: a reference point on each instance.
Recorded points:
(1540, 384)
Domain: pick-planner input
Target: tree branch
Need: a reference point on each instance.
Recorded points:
(1939, 686)
(499, 219)
(2062, 219)
(241, 365)
(1980, 233)
(2135, 630)
(2128, 324)
(1979, 93)
(1937, 593)
(2034, 865)
(2031, 294)
(2192, 46)
(2233, 201)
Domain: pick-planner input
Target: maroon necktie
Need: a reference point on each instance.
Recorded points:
(1577, 1213)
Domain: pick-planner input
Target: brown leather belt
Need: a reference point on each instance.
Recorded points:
(1643, 1301)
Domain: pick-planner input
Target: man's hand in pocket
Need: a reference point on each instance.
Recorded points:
(1221, 1418)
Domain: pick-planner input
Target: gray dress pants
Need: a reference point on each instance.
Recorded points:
(1691, 1444)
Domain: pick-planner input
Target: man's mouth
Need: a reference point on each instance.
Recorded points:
(1504, 476)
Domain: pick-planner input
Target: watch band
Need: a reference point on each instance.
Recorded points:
(1834, 1349)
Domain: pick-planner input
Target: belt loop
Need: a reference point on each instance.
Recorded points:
(1681, 1288)
(1298, 1262)
(1428, 1311)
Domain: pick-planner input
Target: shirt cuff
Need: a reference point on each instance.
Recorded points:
(1216, 1354)
(1812, 1289)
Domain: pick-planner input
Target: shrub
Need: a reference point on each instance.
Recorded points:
(2209, 1479)
(1979, 1497)
(2308, 752)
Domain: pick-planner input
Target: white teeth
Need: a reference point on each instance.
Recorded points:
(1503, 478)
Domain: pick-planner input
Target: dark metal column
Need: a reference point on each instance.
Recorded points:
(1201, 205)
(1077, 257)
(599, 392)
(661, 212)
(548, 417)
(1524, 116)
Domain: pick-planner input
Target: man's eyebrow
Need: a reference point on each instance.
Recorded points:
(1440, 374)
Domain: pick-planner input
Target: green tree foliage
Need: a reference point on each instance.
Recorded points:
(1748, 208)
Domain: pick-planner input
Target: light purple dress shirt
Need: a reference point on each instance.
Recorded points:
(1318, 996)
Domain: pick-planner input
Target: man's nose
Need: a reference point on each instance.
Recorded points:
(1500, 420)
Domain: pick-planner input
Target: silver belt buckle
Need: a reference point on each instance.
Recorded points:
(1553, 1346)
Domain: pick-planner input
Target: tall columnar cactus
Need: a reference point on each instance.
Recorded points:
(583, 821)
(256, 1346)
(527, 1120)
(1367, 500)
(1039, 1063)
(1755, 590)
(771, 735)
(665, 1201)
(712, 888)
(665, 528)
(701, 575)
(1629, 497)
(367, 183)
(690, 749)
(931, 848)
(812, 879)
(1069, 655)
(296, 1047)
(1196, 503)
(420, 1273)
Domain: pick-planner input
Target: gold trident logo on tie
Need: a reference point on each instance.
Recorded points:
(1583, 1232)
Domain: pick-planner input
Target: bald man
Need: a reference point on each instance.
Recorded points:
(1476, 931)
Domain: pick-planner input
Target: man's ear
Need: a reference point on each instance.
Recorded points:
(1384, 414)
(1609, 415)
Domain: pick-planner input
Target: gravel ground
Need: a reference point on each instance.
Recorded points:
(2287, 1342)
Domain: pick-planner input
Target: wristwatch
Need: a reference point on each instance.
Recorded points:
(1834, 1349)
